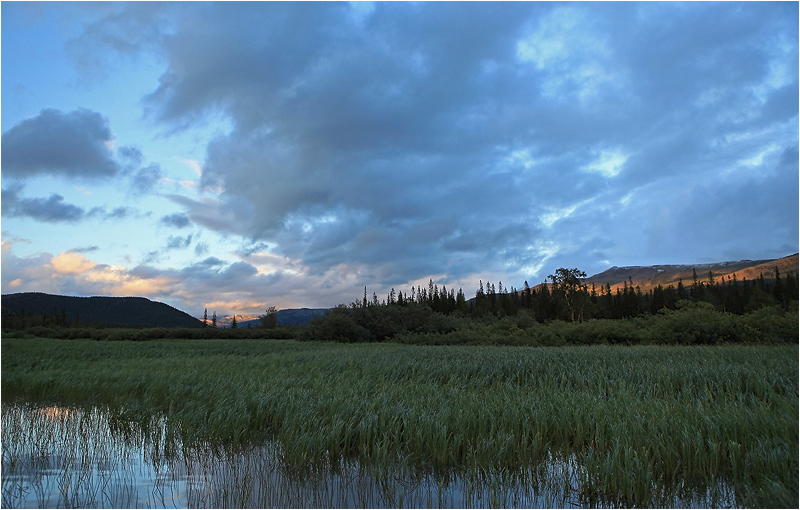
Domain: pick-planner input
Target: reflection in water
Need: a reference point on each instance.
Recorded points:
(62, 457)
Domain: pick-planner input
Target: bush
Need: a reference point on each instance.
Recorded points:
(606, 331)
(338, 326)
(694, 323)
(550, 337)
(773, 325)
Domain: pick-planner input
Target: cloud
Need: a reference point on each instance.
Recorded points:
(70, 273)
(201, 249)
(73, 144)
(215, 214)
(404, 140)
(120, 212)
(178, 242)
(131, 156)
(50, 210)
(54, 209)
(72, 263)
(177, 220)
(128, 31)
(85, 249)
(145, 179)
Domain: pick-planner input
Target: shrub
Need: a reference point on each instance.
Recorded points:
(607, 331)
(771, 324)
(338, 326)
(694, 323)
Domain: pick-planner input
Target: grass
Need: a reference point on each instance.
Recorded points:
(640, 423)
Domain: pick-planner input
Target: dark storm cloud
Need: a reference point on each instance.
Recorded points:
(458, 138)
(73, 144)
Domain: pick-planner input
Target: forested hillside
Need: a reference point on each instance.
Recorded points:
(707, 309)
(649, 277)
(39, 309)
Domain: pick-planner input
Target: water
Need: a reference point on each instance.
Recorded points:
(56, 457)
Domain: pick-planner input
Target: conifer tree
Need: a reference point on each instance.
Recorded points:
(527, 297)
(461, 301)
(681, 290)
(214, 320)
(777, 289)
(234, 324)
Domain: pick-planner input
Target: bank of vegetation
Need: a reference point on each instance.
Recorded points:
(565, 311)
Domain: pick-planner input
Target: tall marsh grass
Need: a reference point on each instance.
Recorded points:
(639, 424)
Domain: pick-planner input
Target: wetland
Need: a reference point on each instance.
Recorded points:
(282, 423)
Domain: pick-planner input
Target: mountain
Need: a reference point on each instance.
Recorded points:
(287, 317)
(118, 311)
(648, 277)
(241, 320)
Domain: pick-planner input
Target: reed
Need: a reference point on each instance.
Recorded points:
(637, 424)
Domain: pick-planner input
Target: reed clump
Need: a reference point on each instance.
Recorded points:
(670, 418)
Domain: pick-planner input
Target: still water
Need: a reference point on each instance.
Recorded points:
(58, 457)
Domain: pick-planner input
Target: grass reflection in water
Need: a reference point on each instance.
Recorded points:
(87, 458)
(90, 458)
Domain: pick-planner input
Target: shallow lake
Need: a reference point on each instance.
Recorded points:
(86, 458)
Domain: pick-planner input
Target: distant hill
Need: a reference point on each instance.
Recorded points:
(288, 317)
(118, 311)
(648, 277)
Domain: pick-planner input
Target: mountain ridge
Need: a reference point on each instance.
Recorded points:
(286, 317)
(105, 310)
(649, 277)
(143, 312)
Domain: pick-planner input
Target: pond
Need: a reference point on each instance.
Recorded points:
(88, 458)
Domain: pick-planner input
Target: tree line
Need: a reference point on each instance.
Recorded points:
(566, 296)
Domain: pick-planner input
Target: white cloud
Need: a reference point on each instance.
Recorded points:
(608, 163)
(757, 159)
(571, 53)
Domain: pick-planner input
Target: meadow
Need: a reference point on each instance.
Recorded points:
(640, 425)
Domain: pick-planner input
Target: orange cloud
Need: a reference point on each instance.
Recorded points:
(72, 263)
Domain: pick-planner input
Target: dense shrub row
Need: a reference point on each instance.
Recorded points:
(691, 323)
(142, 334)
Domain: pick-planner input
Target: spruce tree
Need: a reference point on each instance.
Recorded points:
(461, 301)
(777, 289)
(681, 290)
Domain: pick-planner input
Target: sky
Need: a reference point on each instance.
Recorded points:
(235, 156)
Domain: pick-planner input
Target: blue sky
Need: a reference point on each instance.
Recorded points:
(234, 156)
